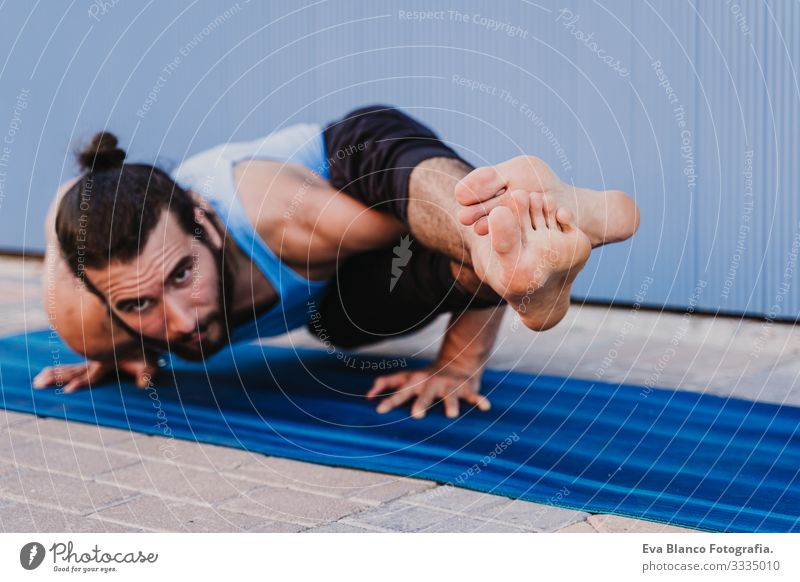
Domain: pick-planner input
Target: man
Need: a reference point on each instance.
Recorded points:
(367, 229)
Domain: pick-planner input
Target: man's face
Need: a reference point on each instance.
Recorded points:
(171, 293)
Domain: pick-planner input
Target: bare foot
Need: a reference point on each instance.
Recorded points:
(531, 257)
(605, 216)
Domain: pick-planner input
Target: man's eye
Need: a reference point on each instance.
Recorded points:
(138, 306)
(182, 276)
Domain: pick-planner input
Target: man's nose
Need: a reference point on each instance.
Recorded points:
(180, 319)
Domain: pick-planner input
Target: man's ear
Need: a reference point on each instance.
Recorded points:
(212, 234)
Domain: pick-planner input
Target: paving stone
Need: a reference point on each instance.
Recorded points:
(19, 267)
(10, 444)
(464, 524)
(69, 458)
(155, 513)
(400, 517)
(7, 468)
(391, 489)
(301, 507)
(69, 431)
(183, 452)
(580, 527)
(23, 518)
(10, 418)
(619, 524)
(532, 516)
(12, 293)
(277, 527)
(454, 499)
(780, 385)
(366, 486)
(171, 480)
(59, 491)
(524, 515)
(338, 527)
(20, 321)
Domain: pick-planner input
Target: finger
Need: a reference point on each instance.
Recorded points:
(451, 406)
(383, 382)
(63, 374)
(394, 400)
(479, 185)
(481, 227)
(144, 378)
(92, 373)
(470, 214)
(75, 384)
(43, 378)
(478, 400)
(423, 401)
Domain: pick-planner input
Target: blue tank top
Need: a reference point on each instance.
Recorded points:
(210, 173)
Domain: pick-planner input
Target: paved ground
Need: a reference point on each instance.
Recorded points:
(63, 476)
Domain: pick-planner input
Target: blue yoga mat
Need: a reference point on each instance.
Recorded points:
(677, 457)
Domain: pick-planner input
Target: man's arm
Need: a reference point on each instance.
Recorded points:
(83, 323)
(470, 339)
(455, 375)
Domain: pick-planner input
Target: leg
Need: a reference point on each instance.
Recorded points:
(391, 292)
(405, 169)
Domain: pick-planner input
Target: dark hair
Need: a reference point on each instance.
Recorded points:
(110, 212)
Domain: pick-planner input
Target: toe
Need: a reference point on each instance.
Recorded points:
(482, 226)
(521, 201)
(479, 185)
(504, 230)
(549, 209)
(521, 204)
(537, 211)
(565, 219)
(468, 215)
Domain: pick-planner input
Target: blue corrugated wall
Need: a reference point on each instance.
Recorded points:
(690, 106)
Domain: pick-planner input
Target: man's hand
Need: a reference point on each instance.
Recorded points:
(427, 385)
(485, 188)
(73, 377)
(605, 216)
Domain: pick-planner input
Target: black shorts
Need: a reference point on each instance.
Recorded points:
(372, 152)
(403, 287)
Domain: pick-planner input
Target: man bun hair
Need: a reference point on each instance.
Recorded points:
(101, 154)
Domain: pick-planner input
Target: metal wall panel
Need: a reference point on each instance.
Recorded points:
(692, 107)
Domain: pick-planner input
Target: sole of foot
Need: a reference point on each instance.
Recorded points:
(531, 257)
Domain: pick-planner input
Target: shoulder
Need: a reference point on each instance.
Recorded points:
(199, 171)
(301, 144)
(50, 220)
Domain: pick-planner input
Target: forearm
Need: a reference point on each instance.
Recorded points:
(470, 339)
